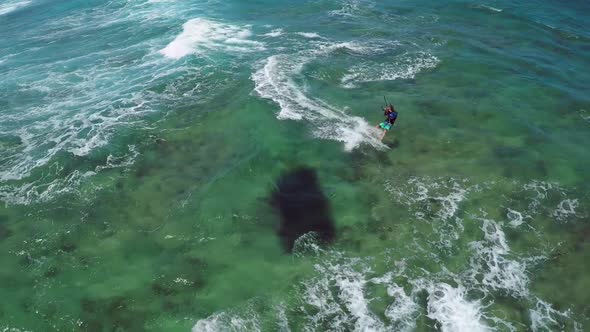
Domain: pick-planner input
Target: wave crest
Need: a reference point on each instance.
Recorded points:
(200, 35)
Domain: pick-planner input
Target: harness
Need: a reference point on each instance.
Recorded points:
(392, 117)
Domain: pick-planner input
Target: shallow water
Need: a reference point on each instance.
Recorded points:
(140, 142)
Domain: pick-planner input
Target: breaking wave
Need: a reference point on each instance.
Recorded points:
(200, 35)
(277, 80)
(12, 6)
(74, 105)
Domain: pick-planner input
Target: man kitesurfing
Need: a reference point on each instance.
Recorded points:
(390, 116)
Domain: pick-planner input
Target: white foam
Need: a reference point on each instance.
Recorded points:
(403, 312)
(545, 318)
(79, 133)
(491, 264)
(274, 33)
(282, 320)
(12, 329)
(540, 191)
(120, 161)
(228, 322)
(351, 8)
(451, 310)
(516, 218)
(78, 108)
(407, 67)
(565, 209)
(307, 245)
(350, 285)
(318, 295)
(441, 196)
(11, 6)
(584, 115)
(436, 201)
(327, 48)
(310, 35)
(489, 8)
(200, 35)
(276, 80)
(450, 203)
(41, 191)
(543, 194)
(338, 298)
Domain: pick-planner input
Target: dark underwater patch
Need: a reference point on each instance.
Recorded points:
(302, 207)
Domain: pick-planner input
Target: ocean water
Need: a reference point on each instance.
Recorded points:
(140, 139)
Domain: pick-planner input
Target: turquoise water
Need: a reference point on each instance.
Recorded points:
(140, 140)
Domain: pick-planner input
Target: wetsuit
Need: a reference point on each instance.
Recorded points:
(391, 117)
(389, 121)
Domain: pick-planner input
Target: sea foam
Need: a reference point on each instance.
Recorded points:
(75, 105)
(565, 209)
(451, 310)
(352, 8)
(435, 196)
(491, 262)
(274, 33)
(12, 6)
(200, 35)
(406, 67)
(276, 80)
(545, 318)
(310, 35)
(228, 322)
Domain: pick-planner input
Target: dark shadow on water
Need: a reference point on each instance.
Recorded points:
(393, 144)
(302, 207)
(5, 232)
